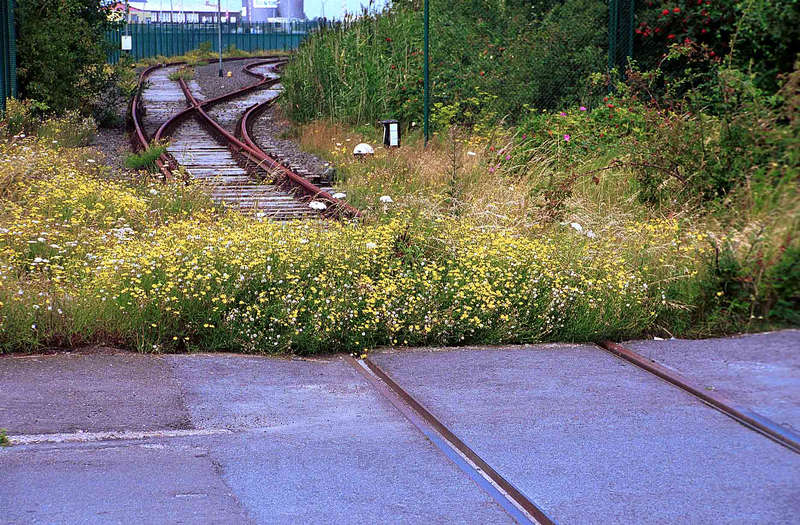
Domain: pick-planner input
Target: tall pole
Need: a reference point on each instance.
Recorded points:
(219, 33)
(427, 85)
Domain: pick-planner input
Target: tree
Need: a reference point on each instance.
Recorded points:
(62, 50)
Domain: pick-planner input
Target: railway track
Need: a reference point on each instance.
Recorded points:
(209, 141)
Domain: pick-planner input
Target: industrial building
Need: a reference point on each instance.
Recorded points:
(193, 11)
(273, 10)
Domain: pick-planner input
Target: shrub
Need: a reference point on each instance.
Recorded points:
(69, 130)
(62, 51)
(761, 35)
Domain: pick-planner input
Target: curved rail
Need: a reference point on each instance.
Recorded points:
(245, 147)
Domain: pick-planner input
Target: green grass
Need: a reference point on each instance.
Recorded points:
(145, 160)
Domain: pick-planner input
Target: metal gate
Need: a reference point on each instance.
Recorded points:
(8, 53)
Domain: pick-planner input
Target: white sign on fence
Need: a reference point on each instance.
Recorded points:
(127, 42)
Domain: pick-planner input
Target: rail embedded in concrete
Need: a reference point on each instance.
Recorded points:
(517, 504)
(741, 414)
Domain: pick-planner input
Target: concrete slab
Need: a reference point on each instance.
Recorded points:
(166, 481)
(90, 393)
(758, 371)
(318, 445)
(593, 439)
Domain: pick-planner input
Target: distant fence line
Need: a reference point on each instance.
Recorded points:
(171, 39)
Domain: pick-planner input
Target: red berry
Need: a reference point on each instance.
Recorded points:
(676, 10)
(665, 12)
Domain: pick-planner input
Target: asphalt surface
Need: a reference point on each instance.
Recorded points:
(759, 371)
(234, 439)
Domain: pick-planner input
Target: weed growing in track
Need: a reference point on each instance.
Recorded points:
(146, 160)
(185, 73)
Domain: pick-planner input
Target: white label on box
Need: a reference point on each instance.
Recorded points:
(393, 139)
(127, 42)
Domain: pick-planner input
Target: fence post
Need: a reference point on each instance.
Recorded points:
(620, 33)
(8, 53)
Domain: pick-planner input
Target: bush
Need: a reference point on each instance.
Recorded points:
(69, 130)
(761, 35)
(62, 51)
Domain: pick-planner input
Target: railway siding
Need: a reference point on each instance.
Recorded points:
(240, 177)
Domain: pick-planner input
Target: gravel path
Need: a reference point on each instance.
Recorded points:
(212, 85)
(268, 132)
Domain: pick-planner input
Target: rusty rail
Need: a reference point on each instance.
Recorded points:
(743, 415)
(245, 147)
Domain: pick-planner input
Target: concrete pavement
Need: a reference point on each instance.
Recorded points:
(760, 371)
(237, 439)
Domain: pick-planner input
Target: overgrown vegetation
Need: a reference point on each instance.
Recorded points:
(62, 51)
(555, 202)
(704, 131)
(87, 259)
(371, 68)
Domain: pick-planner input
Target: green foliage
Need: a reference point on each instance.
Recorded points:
(705, 147)
(146, 160)
(784, 289)
(21, 116)
(371, 68)
(760, 36)
(4, 441)
(62, 51)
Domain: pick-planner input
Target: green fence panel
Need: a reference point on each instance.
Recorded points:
(172, 39)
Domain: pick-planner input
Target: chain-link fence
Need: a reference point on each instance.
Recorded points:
(8, 53)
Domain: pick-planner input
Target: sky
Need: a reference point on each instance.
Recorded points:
(313, 8)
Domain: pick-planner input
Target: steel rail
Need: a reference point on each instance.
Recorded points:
(335, 206)
(245, 147)
(737, 412)
(517, 504)
(164, 162)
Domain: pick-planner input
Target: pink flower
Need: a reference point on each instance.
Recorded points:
(491, 170)
(508, 157)
(583, 108)
(566, 137)
(563, 114)
(525, 136)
